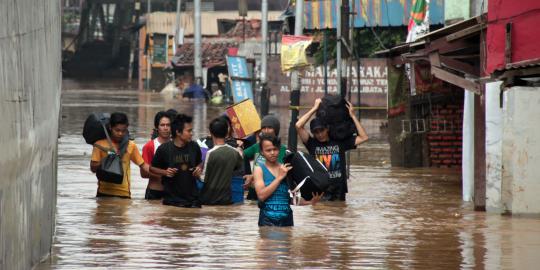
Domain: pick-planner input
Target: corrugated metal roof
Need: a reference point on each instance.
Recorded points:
(422, 40)
(523, 64)
(321, 14)
(163, 22)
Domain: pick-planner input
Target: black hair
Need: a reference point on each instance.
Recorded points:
(229, 125)
(118, 118)
(219, 128)
(172, 113)
(179, 122)
(276, 141)
(226, 118)
(158, 117)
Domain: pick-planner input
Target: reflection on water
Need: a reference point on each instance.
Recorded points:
(393, 218)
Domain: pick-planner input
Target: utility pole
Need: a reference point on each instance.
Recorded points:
(325, 61)
(177, 25)
(343, 38)
(265, 93)
(197, 57)
(295, 80)
(134, 44)
(148, 52)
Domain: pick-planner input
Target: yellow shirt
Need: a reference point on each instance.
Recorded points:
(132, 153)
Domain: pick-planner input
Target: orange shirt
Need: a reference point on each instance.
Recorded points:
(132, 154)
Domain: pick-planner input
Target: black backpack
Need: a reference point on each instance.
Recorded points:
(93, 127)
(334, 113)
(307, 175)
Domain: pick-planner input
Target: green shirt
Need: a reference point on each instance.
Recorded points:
(220, 163)
(254, 152)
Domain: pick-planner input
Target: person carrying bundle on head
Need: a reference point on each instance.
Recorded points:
(330, 152)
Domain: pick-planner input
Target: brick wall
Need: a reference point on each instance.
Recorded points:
(445, 135)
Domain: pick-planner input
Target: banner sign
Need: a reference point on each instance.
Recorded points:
(240, 80)
(373, 83)
(293, 52)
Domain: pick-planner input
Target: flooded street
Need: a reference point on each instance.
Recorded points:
(393, 218)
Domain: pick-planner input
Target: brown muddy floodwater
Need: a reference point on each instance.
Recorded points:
(393, 218)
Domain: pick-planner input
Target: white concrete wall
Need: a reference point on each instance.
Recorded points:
(30, 81)
(521, 150)
(494, 130)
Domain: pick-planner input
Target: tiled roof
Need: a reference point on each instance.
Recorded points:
(214, 50)
(213, 54)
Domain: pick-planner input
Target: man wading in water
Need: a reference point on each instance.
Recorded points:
(272, 191)
(179, 162)
(123, 145)
(329, 152)
(162, 124)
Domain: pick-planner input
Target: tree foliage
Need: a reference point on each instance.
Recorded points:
(366, 42)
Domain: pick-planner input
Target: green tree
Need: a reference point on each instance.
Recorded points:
(366, 42)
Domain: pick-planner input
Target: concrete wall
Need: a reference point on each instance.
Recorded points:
(521, 151)
(30, 80)
(494, 130)
(478, 7)
(456, 10)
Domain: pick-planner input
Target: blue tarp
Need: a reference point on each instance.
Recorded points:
(321, 14)
(195, 91)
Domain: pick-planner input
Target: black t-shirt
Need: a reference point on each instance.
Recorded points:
(180, 189)
(332, 155)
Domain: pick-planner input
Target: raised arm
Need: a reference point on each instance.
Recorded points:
(302, 132)
(362, 135)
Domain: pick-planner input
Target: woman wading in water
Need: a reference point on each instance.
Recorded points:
(272, 191)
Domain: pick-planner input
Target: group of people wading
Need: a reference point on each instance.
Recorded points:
(181, 175)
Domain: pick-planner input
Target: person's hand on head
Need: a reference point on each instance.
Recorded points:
(350, 108)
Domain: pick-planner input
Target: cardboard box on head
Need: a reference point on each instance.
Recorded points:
(244, 118)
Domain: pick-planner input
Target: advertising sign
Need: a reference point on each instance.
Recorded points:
(240, 79)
